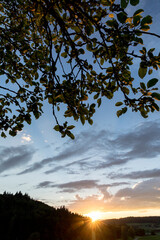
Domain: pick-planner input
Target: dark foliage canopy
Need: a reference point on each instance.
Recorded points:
(73, 53)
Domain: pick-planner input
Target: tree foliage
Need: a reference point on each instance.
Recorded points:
(73, 53)
(23, 218)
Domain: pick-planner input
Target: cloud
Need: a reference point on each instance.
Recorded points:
(45, 184)
(82, 163)
(26, 137)
(32, 168)
(104, 149)
(36, 166)
(142, 142)
(153, 173)
(144, 195)
(76, 186)
(11, 157)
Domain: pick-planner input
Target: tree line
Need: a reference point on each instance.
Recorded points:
(23, 218)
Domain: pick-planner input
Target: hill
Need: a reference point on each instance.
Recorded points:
(133, 220)
(22, 218)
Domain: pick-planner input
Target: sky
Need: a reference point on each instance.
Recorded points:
(112, 167)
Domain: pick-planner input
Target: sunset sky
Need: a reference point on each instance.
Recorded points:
(112, 167)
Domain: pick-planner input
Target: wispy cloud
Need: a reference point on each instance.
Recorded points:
(143, 195)
(76, 186)
(153, 173)
(11, 157)
(99, 150)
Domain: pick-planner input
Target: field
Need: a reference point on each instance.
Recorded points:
(157, 237)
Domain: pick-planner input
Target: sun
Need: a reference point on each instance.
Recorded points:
(94, 215)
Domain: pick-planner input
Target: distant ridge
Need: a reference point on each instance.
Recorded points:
(149, 219)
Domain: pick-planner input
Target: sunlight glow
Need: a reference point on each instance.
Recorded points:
(94, 215)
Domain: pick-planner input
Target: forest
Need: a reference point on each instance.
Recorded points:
(23, 218)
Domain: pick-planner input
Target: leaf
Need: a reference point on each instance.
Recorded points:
(70, 134)
(102, 61)
(138, 12)
(3, 135)
(146, 20)
(155, 106)
(152, 82)
(96, 96)
(118, 104)
(126, 90)
(64, 54)
(142, 72)
(99, 102)
(134, 2)
(156, 96)
(70, 127)
(143, 112)
(136, 20)
(90, 121)
(124, 3)
(122, 111)
(143, 86)
(28, 119)
(145, 28)
(122, 17)
(150, 71)
(57, 128)
(82, 118)
(12, 133)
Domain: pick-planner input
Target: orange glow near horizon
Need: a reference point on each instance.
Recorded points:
(99, 215)
(95, 215)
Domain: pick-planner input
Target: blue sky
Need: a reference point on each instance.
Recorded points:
(111, 166)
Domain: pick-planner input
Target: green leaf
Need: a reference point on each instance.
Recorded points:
(150, 71)
(155, 106)
(90, 121)
(82, 118)
(146, 20)
(99, 102)
(143, 86)
(136, 20)
(57, 128)
(70, 134)
(138, 12)
(118, 104)
(124, 3)
(122, 17)
(122, 111)
(96, 96)
(12, 133)
(156, 96)
(145, 28)
(152, 82)
(126, 90)
(102, 61)
(143, 112)
(70, 127)
(3, 135)
(134, 2)
(64, 54)
(28, 119)
(142, 72)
